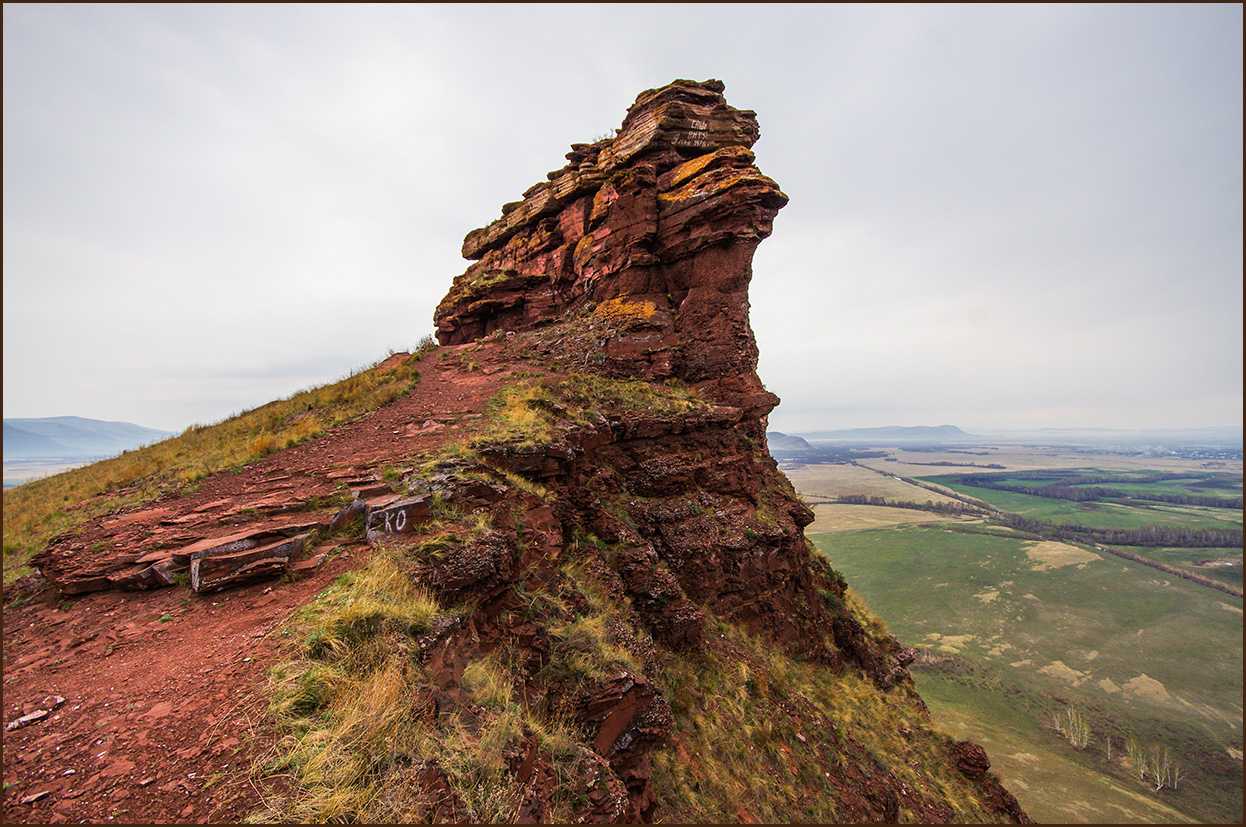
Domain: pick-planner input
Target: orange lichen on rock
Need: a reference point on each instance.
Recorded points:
(733, 155)
(622, 310)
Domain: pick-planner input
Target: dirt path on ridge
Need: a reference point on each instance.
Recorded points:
(165, 691)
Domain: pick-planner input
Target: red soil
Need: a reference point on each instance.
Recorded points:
(161, 720)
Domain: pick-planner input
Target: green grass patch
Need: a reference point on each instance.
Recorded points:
(1223, 564)
(1096, 514)
(1024, 629)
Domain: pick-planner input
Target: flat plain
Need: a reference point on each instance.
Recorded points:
(910, 463)
(830, 481)
(1014, 629)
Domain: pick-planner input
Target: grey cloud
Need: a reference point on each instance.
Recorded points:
(1000, 215)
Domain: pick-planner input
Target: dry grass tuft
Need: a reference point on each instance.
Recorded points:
(356, 710)
(527, 411)
(734, 706)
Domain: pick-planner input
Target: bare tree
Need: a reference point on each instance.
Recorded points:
(1137, 756)
(1073, 727)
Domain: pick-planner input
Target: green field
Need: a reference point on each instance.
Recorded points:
(1015, 630)
(1139, 482)
(1167, 487)
(1096, 514)
(1190, 559)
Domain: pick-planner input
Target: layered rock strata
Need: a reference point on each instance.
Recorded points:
(618, 480)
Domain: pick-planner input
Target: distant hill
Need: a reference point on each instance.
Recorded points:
(786, 442)
(73, 437)
(914, 433)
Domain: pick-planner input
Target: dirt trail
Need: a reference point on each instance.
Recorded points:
(164, 691)
(161, 717)
(293, 485)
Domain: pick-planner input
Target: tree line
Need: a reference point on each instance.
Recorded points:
(1091, 493)
(955, 509)
(1149, 535)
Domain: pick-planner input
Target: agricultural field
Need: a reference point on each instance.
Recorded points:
(1014, 630)
(1095, 514)
(1032, 458)
(839, 480)
(1223, 564)
(1209, 487)
(1150, 484)
(831, 517)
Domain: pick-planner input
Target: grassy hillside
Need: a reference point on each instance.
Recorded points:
(1019, 630)
(754, 734)
(39, 510)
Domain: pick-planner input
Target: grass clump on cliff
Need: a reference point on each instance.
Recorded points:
(589, 647)
(761, 736)
(362, 739)
(528, 411)
(349, 700)
(39, 510)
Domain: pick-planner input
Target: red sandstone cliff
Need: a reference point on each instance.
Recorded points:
(605, 466)
(655, 229)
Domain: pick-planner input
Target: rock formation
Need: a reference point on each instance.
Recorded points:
(638, 255)
(653, 231)
(617, 479)
(634, 260)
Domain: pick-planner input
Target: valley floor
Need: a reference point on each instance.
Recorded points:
(1013, 629)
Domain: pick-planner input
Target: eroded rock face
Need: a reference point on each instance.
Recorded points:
(635, 259)
(652, 231)
(647, 522)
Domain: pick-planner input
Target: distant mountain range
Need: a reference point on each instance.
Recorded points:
(913, 433)
(73, 437)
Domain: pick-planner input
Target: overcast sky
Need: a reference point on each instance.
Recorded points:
(999, 217)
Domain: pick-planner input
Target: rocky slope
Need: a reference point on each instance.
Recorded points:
(590, 597)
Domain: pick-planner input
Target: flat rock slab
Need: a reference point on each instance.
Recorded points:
(370, 490)
(252, 537)
(214, 571)
(400, 517)
(26, 720)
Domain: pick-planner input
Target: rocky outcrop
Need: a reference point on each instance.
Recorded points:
(611, 511)
(635, 260)
(650, 233)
